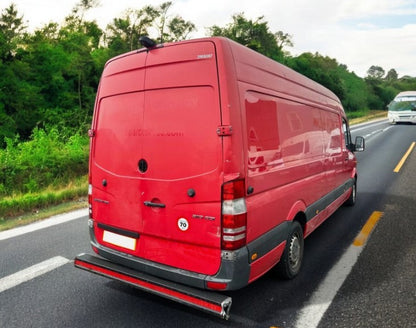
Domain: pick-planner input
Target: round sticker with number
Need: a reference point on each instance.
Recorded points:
(183, 224)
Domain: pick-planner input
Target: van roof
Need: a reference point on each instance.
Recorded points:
(406, 94)
(250, 58)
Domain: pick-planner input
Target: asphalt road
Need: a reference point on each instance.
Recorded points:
(379, 291)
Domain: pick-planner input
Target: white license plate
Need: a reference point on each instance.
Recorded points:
(119, 240)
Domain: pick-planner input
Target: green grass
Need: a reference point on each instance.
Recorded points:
(37, 215)
(365, 115)
(30, 204)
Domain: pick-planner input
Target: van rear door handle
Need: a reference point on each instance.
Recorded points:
(151, 204)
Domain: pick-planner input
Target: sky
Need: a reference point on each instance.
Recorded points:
(357, 33)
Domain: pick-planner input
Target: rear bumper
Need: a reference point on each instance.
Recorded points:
(213, 303)
(234, 270)
(409, 117)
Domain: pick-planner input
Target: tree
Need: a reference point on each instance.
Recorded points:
(253, 34)
(78, 39)
(19, 97)
(49, 61)
(179, 29)
(7, 126)
(83, 6)
(11, 32)
(162, 20)
(283, 40)
(392, 75)
(174, 29)
(375, 72)
(355, 97)
(123, 33)
(322, 69)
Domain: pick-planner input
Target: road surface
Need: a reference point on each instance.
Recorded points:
(341, 285)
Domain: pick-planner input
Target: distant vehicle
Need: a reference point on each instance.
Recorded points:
(403, 108)
(209, 165)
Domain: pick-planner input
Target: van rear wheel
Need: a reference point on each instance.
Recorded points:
(291, 260)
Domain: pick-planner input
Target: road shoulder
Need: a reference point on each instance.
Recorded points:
(381, 289)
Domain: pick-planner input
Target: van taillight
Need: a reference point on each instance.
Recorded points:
(234, 215)
(90, 200)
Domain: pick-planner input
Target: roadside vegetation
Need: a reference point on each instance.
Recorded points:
(48, 169)
(49, 78)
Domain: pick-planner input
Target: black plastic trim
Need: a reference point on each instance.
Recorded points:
(270, 240)
(317, 207)
(119, 231)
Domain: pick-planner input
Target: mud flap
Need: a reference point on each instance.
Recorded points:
(210, 302)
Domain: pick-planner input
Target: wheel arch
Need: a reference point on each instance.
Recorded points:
(297, 213)
(301, 218)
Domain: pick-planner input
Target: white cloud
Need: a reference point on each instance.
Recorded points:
(41, 12)
(360, 48)
(388, 48)
(381, 7)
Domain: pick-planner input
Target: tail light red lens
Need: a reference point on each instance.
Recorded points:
(234, 215)
(233, 190)
(216, 285)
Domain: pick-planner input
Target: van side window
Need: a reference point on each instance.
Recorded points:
(347, 134)
(332, 134)
(280, 131)
(264, 150)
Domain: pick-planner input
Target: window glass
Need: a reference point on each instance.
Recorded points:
(263, 139)
(346, 131)
(332, 134)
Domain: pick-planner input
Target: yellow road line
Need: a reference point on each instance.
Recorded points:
(362, 237)
(399, 166)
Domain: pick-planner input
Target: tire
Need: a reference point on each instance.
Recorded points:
(291, 260)
(353, 197)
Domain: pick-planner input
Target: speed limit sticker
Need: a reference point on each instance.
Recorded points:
(183, 224)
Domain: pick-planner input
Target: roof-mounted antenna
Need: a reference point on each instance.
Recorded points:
(147, 42)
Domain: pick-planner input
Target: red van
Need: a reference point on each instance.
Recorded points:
(210, 164)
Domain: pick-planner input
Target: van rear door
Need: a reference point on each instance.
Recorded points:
(157, 159)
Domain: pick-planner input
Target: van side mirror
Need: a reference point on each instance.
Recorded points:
(359, 144)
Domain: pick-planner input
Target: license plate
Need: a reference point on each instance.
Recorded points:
(119, 240)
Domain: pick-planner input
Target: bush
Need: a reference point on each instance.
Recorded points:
(46, 159)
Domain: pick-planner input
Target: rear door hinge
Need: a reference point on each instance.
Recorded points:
(225, 130)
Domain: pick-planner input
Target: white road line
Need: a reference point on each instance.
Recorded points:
(32, 272)
(312, 313)
(368, 136)
(54, 220)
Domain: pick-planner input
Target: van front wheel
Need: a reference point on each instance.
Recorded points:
(353, 197)
(291, 260)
